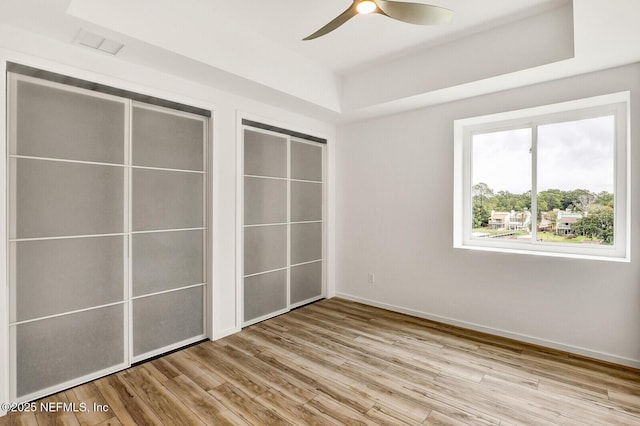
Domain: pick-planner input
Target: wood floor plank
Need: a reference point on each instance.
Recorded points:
(124, 403)
(387, 416)
(505, 364)
(205, 406)
(205, 365)
(184, 363)
(339, 344)
(292, 388)
(163, 367)
(535, 404)
(627, 398)
(157, 373)
(343, 415)
(387, 392)
(292, 411)
(265, 343)
(431, 393)
(164, 404)
(350, 397)
(113, 421)
(308, 318)
(229, 372)
(56, 415)
(301, 349)
(243, 345)
(88, 394)
(446, 364)
(337, 362)
(453, 402)
(19, 419)
(374, 357)
(331, 383)
(437, 418)
(242, 404)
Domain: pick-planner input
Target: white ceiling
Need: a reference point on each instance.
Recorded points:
(372, 65)
(366, 39)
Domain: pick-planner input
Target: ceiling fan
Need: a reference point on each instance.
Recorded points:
(413, 13)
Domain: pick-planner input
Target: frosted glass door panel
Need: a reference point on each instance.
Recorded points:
(59, 349)
(166, 260)
(58, 198)
(265, 248)
(306, 242)
(57, 276)
(265, 154)
(167, 139)
(56, 123)
(306, 201)
(166, 319)
(306, 281)
(264, 294)
(306, 161)
(170, 203)
(265, 201)
(107, 233)
(283, 222)
(167, 200)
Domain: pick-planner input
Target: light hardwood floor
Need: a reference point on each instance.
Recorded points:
(339, 362)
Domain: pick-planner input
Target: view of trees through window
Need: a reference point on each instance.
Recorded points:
(574, 180)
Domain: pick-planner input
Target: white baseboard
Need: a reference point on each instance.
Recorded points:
(498, 332)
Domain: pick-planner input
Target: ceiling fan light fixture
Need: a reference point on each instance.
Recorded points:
(365, 7)
(412, 13)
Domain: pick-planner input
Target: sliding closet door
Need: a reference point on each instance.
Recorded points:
(168, 241)
(283, 223)
(265, 224)
(306, 221)
(67, 230)
(107, 233)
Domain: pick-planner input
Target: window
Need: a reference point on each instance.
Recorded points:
(550, 180)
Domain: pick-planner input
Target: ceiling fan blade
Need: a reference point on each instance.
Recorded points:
(415, 13)
(339, 20)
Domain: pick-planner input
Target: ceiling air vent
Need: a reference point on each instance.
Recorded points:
(98, 42)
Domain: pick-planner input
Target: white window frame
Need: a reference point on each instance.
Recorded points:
(617, 104)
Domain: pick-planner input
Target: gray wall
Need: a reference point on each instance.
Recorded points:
(395, 218)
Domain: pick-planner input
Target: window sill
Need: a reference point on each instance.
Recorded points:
(526, 252)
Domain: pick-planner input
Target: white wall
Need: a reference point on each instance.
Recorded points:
(395, 218)
(29, 49)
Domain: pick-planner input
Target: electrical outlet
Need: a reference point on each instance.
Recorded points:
(371, 277)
